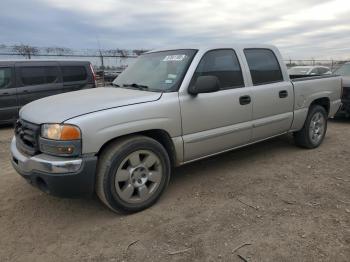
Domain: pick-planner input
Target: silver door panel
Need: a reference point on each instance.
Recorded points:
(214, 122)
(212, 141)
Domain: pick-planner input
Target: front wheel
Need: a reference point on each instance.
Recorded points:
(314, 129)
(132, 173)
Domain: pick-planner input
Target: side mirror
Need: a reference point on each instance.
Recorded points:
(204, 84)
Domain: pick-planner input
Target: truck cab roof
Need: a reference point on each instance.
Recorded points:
(205, 48)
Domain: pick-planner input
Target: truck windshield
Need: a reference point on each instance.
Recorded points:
(343, 70)
(157, 71)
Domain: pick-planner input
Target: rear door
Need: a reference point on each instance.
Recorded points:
(37, 80)
(8, 95)
(76, 76)
(273, 96)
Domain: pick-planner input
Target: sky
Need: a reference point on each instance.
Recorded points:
(302, 29)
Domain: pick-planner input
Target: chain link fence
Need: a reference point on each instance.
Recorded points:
(332, 64)
(108, 64)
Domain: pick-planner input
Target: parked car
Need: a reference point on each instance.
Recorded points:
(22, 82)
(300, 71)
(169, 108)
(344, 71)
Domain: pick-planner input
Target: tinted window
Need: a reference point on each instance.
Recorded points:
(5, 78)
(323, 70)
(263, 65)
(73, 73)
(224, 65)
(39, 75)
(315, 71)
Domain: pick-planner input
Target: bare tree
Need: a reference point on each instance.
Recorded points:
(111, 52)
(122, 52)
(139, 51)
(25, 50)
(60, 51)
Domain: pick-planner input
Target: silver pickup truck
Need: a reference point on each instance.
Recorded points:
(169, 108)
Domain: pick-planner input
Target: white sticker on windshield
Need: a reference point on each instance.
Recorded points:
(174, 58)
(172, 76)
(168, 81)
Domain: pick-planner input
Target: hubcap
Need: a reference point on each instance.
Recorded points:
(317, 127)
(138, 176)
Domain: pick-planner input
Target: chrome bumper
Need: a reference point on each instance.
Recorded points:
(43, 163)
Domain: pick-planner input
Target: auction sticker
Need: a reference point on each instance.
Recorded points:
(174, 58)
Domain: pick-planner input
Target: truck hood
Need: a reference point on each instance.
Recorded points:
(59, 108)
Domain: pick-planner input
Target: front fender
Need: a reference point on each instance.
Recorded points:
(103, 126)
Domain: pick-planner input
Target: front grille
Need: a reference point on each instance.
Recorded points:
(27, 137)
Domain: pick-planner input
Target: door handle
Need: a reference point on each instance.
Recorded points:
(283, 93)
(245, 100)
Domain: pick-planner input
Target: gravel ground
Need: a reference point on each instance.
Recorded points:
(287, 203)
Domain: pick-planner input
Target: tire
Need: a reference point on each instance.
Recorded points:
(314, 129)
(132, 173)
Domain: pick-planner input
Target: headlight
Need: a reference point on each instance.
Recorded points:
(60, 140)
(60, 132)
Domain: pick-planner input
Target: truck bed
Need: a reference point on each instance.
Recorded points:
(295, 78)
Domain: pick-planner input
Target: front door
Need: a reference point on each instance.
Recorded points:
(218, 121)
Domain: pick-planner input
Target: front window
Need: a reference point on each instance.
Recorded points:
(158, 71)
(222, 63)
(343, 70)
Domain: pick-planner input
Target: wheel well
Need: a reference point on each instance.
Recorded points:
(324, 102)
(157, 134)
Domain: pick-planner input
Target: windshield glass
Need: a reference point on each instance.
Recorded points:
(159, 71)
(343, 70)
(298, 70)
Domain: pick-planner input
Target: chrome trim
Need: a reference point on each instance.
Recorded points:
(43, 163)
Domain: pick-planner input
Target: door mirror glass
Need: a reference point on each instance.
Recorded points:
(205, 84)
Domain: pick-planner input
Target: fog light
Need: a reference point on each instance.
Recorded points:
(58, 150)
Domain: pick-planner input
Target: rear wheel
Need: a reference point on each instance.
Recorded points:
(314, 129)
(132, 174)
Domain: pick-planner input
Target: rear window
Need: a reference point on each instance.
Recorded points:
(39, 75)
(74, 73)
(263, 65)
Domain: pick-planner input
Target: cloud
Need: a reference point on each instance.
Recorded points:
(302, 29)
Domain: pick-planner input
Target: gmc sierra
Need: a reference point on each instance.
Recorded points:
(169, 108)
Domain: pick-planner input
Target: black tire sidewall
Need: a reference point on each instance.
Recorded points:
(111, 195)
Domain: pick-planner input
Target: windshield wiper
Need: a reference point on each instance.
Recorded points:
(136, 86)
(115, 85)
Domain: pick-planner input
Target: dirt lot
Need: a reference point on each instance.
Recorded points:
(289, 204)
